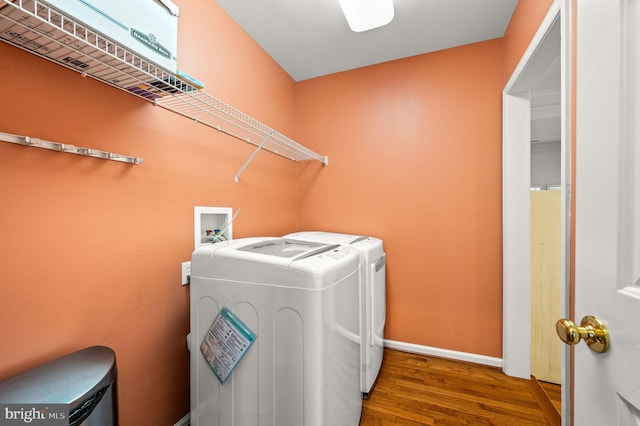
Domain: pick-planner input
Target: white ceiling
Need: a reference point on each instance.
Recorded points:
(311, 38)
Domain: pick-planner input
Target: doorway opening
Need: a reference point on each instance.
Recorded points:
(536, 157)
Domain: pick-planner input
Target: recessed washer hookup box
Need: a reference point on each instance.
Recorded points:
(148, 28)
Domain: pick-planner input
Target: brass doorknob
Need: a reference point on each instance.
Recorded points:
(592, 331)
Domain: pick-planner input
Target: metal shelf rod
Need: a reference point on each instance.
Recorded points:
(70, 149)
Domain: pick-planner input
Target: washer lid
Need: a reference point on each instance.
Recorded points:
(290, 249)
(370, 248)
(326, 237)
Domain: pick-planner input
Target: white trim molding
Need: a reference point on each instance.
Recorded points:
(544, 49)
(443, 353)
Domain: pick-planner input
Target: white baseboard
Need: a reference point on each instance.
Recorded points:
(184, 421)
(443, 353)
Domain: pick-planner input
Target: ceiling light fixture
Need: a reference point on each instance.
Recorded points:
(364, 15)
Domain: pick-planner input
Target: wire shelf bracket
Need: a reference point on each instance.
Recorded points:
(37, 27)
(244, 166)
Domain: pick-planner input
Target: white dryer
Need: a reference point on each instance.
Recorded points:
(373, 306)
(298, 298)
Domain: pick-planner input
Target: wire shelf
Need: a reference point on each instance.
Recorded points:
(35, 26)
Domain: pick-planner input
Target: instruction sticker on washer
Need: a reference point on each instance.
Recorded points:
(225, 344)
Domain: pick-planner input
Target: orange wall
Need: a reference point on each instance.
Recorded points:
(91, 249)
(414, 150)
(414, 158)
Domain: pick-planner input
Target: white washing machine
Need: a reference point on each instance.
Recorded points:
(373, 307)
(298, 298)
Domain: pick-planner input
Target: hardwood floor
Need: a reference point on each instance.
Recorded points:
(416, 390)
(553, 392)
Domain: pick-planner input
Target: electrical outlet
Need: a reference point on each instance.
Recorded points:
(186, 272)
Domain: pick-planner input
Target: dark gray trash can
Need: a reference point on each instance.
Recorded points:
(85, 381)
